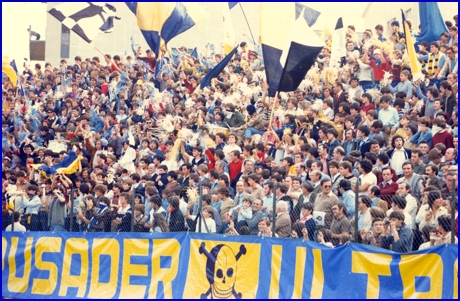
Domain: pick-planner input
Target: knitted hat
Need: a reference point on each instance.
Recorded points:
(251, 109)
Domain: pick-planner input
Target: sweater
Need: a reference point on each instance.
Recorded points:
(445, 138)
(403, 245)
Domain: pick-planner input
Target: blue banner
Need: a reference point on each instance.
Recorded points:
(191, 265)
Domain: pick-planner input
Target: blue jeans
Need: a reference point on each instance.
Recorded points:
(55, 227)
(248, 132)
(366, 84)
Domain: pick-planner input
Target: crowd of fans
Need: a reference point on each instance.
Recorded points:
(148, 139)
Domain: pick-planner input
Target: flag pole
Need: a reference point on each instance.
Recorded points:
(111, 61)
(273, 108)
(250, 31)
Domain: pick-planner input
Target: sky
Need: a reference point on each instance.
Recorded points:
(23, 14)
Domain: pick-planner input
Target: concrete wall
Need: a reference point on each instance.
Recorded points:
(384, 13)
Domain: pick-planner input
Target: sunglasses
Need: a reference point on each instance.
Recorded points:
(327, 186)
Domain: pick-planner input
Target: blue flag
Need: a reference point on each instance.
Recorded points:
(15, 68)
(431, 22)
(232, 4)
(195, 53)
(310, 15)
(214, 72)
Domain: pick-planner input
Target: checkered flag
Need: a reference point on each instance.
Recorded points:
(85, 18)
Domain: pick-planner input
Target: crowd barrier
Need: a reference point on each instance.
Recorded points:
(192, 265)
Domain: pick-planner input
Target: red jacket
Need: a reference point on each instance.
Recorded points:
(212, 159)
(234, 168)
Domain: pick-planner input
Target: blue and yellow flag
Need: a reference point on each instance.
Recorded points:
(162, 21)
(68, 165)
(9, 71)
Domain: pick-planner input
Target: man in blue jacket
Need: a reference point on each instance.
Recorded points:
(396, 234)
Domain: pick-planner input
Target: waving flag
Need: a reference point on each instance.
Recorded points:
(229, 32)
(415, 67)
(302, 47)
(338, 50)
(162, 21)
(68, 165)
(431, 22)
(276, 19)
(9, 71)
(86, 19)
(195, 53)
(310, 15)
(214, 72)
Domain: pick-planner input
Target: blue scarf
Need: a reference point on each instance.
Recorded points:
(102, 207)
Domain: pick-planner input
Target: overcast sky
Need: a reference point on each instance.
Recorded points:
(17, 16)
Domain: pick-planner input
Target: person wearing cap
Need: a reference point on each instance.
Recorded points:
(254, 62)
(255, 125)
(379, 63)
(395, 28)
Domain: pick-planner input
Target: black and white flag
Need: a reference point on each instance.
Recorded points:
(86, 19)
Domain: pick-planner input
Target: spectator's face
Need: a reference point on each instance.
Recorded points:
(240, 187)
(298, 169)
(375, 148)
(262, 226)
(428, 171)
(361, 205)
(437, 105)
(386, 174)
(314, 166)
(444, 170)
(296, 185)
(397, 222)
(334, 170)
(450, 154)
(407, 170)
(378, 227)
(415, 159)
(424, 148)
(349, 135)
(433, 49)
(449, 181)
(402, 191)
(337, 212)
(326, 187)
(398, 143)
(288, 181)
(248, 166)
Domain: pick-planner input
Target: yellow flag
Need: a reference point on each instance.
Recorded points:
(9, 71)
(415, 67)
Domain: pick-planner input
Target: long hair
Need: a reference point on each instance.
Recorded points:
(160, 221)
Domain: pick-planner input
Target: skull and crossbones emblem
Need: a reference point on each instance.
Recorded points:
(221, 269)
